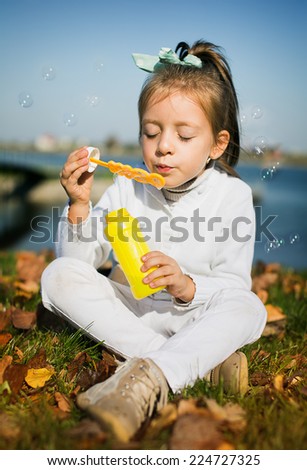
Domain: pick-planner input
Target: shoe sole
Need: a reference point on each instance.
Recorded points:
(238, 384)
(243, 377)
(109, 422)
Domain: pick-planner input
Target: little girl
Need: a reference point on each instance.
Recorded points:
(201, 241)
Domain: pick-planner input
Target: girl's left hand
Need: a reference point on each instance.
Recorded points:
(169, 274)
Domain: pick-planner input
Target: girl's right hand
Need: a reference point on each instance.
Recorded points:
(75, 179)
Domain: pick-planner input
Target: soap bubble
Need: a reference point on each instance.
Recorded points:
(274, 244)
(48, 72)
(98, 66)
(257, 112)
(294, 239)
(93, 100)
(260, 146)
(266, 174)
(279, 242)
(25, 99)
(275, 168)
(243, 118)
(269, 246)
(70, 119)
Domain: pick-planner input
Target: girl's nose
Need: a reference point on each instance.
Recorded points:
(165, 145)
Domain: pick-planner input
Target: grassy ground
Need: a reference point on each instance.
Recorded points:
(272, 415)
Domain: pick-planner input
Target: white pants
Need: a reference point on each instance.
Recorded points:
(185, 344)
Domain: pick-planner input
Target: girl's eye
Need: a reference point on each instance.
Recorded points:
(150, 136)
(185, 139)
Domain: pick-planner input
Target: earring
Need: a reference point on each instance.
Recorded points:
(208, 160)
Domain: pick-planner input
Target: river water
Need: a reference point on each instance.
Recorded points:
(284, 196)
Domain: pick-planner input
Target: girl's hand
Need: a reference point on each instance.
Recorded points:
(167, 274)
(75, 179)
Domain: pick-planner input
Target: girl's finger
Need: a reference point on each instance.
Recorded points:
(76, 175)
(79, 153)
(71, 167)
(150, 254)
(158, 273)
(158, 260)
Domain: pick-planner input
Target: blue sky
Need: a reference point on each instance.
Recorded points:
(265, 42)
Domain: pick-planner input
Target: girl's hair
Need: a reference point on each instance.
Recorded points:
(211, 86)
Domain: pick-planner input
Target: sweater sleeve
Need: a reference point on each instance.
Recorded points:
(233, 250)
(86, 241)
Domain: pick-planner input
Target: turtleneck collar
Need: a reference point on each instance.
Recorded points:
(174, 194)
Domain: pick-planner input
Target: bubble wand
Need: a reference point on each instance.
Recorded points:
(138, 174)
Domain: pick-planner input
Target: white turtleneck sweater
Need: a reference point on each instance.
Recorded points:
(173, 195)
(209, 229)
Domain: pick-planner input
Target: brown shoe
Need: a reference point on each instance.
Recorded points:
(127, 398)
(233, 373)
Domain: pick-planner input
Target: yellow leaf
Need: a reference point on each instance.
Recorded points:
(38, 377)
(225, 446)
(274, 313)
(278, 382)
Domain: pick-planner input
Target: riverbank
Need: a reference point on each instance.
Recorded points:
(51, 192)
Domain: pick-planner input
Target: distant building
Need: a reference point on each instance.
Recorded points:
(46, 143)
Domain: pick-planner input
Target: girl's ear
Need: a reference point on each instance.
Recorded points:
(221, 144)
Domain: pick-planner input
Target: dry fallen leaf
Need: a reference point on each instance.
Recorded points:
(297, 361)
(278, 382)
(18, 353)
(30, 265)
(189, 406)
(231, 414)
(23, 320)
(264, 281)
(293, 283)
(276, 328)
(273, 268)
(259, 354)
(218, 412)
(38, 377)
(195, 432)
(8, 427)
(274, 313)
(79, 361)
(5, 320)
(15, 374)
(166, 417)
(87, 433)
(4, 363)
(263, 295)
(294, 381)
(225, 446)
(29, 286)
(260, 379)
(62, 402)
(5, 338)
(235, 417)
(39, 360)
(103, 369)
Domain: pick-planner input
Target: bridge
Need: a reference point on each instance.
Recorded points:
(45, 165)
(27, 169)
(19, 173)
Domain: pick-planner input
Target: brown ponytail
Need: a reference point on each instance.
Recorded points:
(211, 86)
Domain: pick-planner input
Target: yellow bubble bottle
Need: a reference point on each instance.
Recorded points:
(124, 234)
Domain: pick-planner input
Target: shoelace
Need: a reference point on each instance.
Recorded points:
(145, 392)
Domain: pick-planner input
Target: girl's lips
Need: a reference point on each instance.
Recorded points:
(163, 168)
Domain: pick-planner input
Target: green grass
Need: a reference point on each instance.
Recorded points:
(276, 419)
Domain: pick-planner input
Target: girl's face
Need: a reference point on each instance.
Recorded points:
(177, 139)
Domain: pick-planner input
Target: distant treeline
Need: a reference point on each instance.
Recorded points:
(113, 147)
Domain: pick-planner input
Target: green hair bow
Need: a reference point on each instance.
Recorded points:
(152, 63)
